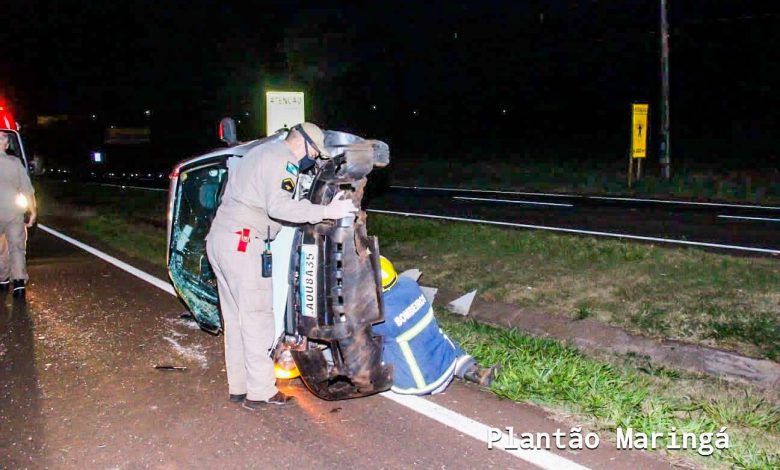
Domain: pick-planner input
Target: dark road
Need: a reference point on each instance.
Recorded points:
(735, 228)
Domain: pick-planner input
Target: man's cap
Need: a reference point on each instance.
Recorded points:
(314, 136)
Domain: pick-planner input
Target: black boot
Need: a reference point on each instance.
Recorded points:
(280, 399)
(482, 375)
(237, 397)
(19, 288)
(4, 285)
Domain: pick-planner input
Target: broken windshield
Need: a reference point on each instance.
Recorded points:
(197, 199)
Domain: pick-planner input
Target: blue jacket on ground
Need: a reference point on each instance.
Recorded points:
(424, 359)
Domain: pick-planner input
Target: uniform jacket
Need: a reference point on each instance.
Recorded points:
(13, 181)
(423, 357)
(259, 193)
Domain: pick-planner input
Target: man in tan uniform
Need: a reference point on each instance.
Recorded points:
(16, 197)
(259, 195)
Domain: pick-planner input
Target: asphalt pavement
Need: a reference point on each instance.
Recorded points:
(736, 228)
(79, 390)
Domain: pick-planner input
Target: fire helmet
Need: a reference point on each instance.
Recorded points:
(389, 276)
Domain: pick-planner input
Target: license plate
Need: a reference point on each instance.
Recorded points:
(308, 277)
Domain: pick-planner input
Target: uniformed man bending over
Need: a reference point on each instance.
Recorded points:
(257, 197)
(16, 198)
(424, 359)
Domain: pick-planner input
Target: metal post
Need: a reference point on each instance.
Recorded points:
(665, 152)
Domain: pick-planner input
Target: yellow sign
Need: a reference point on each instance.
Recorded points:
(639, 130)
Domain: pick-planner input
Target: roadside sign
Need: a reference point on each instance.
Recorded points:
(283, 109)
(639, 130)
(127, 135)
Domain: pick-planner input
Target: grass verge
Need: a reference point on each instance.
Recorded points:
(127, 220)
(679, 293)
(626, 392)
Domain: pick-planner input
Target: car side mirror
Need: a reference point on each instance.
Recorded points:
(227, 131)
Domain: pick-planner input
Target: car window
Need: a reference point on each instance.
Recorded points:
(13, 144)
(197, 199)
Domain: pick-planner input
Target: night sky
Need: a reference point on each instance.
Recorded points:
(552, 73)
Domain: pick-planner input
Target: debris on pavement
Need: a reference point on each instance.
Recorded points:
(167, 367)
(194, 353)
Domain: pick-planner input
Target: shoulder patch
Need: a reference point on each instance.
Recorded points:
(288, 185)
(292, 169)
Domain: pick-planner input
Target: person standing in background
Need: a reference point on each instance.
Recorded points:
(16, 198)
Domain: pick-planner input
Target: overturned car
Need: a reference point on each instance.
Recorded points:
(326, 277)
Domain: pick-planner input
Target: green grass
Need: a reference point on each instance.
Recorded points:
(127, 220)
(610, 395)
(57, 197)
(141, 241)
(684, 294)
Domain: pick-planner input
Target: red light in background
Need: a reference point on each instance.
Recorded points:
(7, 120)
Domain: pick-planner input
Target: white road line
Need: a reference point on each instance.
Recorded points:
(486, 191)
(540, 458)
(687, 203)
(123, 186)
(512, 201)
(608, 198)
(583, 232)
(159, 283)
(445, 416)
(765, 219)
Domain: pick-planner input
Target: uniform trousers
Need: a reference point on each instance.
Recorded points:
(13, 249)
(246, 303)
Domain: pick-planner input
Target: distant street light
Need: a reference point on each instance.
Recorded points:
(148, 112)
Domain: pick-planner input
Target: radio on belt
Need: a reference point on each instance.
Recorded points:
(267, 259)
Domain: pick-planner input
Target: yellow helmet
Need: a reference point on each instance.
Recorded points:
(389, 276)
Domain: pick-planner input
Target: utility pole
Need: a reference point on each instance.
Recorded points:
(665, 151)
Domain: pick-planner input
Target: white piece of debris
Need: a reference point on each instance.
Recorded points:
(429, 293)
(193, 353)
(189, 324)
(462, 304)
(413, 274)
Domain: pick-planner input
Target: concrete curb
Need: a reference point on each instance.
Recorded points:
(591, 334)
